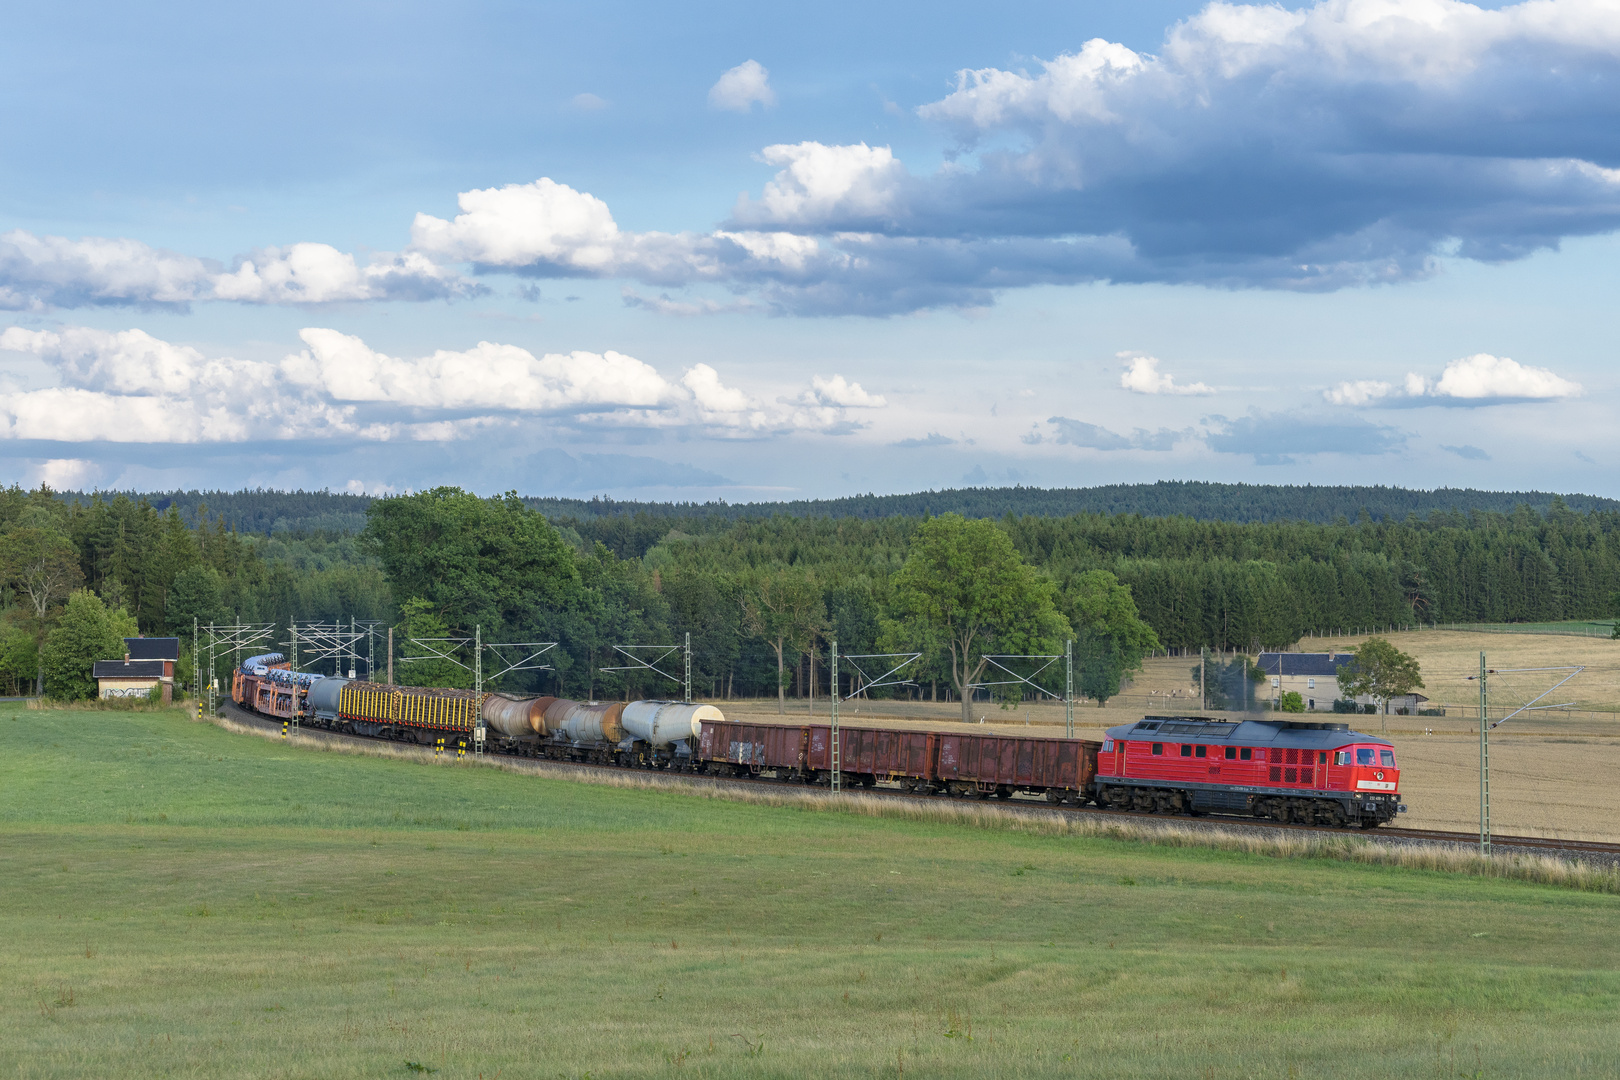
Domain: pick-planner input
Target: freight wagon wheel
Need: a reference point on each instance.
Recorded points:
(1003, 793)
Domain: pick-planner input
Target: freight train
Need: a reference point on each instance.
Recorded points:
(1282, 770)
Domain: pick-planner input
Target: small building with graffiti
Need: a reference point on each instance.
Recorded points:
(148, 663)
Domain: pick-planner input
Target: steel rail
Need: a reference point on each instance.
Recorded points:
(1024, 804)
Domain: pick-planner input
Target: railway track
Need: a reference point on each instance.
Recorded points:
(1591, 850)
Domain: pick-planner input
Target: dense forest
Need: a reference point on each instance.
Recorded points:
(441, 563)
(260, 511)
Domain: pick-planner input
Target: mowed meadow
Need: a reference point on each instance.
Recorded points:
(181, 901)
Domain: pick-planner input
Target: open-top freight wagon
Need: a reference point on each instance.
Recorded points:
(917, 761)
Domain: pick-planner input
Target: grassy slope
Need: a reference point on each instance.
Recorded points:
(180, 901)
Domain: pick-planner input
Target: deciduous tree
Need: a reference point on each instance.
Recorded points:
(965, 592)
(85, 633)
(784, 606)
(1379, 670)
(1111, 638)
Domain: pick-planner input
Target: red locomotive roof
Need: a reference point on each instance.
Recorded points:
(1285, 733)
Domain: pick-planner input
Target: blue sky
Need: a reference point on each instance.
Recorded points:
(720, 251)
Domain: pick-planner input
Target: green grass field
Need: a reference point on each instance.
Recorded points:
(180, 901)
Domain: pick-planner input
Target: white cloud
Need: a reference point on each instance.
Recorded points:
(67, 474)
(820, 408)
(128, 386)
(39, 272)
(123, 361)
(1481, 379)
(42, 272)
(711, 395)
(523, 224)
(838, 391)
(588, 102)
(487, 376)
(1483, 376)
(1360, 392)
(826, 184)
(320, 274)
(1142, 376)
(1345, 143)
(738, 89)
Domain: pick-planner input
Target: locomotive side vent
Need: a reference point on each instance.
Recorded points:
(1276, 774)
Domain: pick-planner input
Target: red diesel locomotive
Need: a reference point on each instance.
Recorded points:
(1318, 774)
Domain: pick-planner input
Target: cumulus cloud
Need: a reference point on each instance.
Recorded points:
(487, 376)
(320, 274)
(741, 87)
(823, 185)
(38, 273)
(1350, 141)
(840, 392)
(1345, 143)
(1481, 379)
(1142, 376)
(128, 386)
(1467, 452)
(1359, 392)
(66, 474)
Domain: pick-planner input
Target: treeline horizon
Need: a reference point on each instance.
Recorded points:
(341, 513)
(1228, 585)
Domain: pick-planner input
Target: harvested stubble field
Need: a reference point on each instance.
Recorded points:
(178, 900)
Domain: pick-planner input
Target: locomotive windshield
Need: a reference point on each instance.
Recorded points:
(1366, 755)
(1386, 758)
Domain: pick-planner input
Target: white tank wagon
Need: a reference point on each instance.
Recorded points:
(662, 724)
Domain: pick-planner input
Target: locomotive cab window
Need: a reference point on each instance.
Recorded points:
(1366, 755)
(1341, 757)
(1386, 758)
